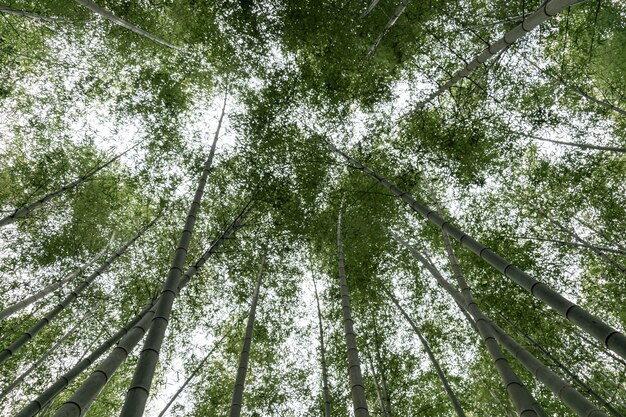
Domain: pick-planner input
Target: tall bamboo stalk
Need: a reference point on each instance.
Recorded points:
(105, 14)
(27, 209)
(595, 250)
(575, 89)
(442, 377)
(604, 333)
(82, 399)
(137, 395)
(76, 292)
(240, 380)
(369, 8)
(561, 389)
(325, 392)
(63, 381)
(522, 399)
(357, 388)
(574, 244)
(543, 13)
(369, 363)
(20, 305)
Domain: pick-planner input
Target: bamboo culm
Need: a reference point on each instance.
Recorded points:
(442, 377)
(379, 395)
(357, 388)
(137, 394)
(85, 395)
(543, 13)
(31, 15)
(105, 14)
(524, 402)
(325, 392)
(601, 331)
(27, 209)
(9, 388)
(561, 389)
(385, 389)
(20, 305)
(76, 292)
(392, 21)
(575, 89)
(574, 244)
(560, 365)
(369, 8)
(63, 381)
(242, 370)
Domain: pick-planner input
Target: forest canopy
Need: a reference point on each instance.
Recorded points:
(312, 208)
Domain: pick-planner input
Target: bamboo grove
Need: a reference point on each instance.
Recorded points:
(313, 208)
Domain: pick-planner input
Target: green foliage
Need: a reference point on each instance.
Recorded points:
(77, 89)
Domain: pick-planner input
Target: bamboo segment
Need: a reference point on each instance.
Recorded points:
(50, 288)
(38, 362)
(543, 13)
(86, 394)
(240, 380)
(105, 14)
(442, 377)
(392, 21)
(325, 392)
(524, 402)
(356, 377)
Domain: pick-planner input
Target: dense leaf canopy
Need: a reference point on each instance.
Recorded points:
(527, 154)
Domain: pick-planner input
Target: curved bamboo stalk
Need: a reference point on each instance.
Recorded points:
(20, 305)
(442, 377)
(27, 209)
(50, 393)
(69, 299)
(357, 388)
(546, 11)
(137, 394)
(604, 333)
(105, 14)
(240, 380)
